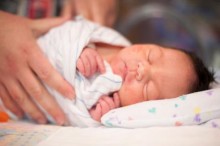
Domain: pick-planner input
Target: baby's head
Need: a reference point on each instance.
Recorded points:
(152, 72)
(204, 76)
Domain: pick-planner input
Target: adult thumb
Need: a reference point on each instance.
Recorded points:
(41, 26)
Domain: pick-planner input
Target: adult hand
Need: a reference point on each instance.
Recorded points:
(100, 11)
(22, 64)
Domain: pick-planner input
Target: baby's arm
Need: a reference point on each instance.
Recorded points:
(90, 62)
(104, 105)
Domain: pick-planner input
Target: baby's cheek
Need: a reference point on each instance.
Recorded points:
(153, 92)
(130, 79)
(130, 96)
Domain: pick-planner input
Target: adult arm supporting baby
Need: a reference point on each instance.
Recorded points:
(22, 63)
(100, 11)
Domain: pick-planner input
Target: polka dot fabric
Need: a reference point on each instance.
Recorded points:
(191, 109)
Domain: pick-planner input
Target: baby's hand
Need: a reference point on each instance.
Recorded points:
(90, 62)
(104, 105)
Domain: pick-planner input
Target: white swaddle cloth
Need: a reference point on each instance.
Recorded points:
(63, 45)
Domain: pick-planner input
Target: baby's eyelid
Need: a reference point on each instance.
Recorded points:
(148, 57)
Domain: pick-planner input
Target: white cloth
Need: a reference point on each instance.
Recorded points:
(63, 45)
(190, 109)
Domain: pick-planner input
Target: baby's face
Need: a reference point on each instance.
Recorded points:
(151, 72)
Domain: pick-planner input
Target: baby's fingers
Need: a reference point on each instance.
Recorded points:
(96, 112)
(80, 66)
(116, 100)
(110, 101)
(104, 106)
(86, 64)
(100, 64)
(96, 62)
(92, 61)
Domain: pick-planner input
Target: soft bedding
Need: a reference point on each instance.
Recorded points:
(27, 134)
(192, 109)
(192, 119)
(196, 122)
(154, 136)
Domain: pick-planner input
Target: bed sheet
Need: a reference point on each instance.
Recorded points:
(14, 133)
(28, 134)
(154, 136)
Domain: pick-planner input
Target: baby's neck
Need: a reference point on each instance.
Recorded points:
(108, 52)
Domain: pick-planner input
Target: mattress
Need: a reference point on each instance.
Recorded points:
(29, 134)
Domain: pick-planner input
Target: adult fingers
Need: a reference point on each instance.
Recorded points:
(98, 12)
(21, 98)
(36, 90)
(83, 8)
(68, 9)
(42, 26)
(9, 103)
(104, 12)
(44, 70)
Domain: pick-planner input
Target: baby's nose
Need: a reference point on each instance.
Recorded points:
(140, 71)
(143, 71)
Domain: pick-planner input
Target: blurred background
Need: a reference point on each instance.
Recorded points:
(192, 25)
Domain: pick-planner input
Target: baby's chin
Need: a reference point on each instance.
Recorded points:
(122, 98)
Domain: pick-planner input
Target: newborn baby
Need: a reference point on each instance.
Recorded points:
(107, 72)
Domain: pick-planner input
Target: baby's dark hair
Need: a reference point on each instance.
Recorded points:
(204, 75)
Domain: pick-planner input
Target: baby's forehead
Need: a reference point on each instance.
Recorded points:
(181, 72)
